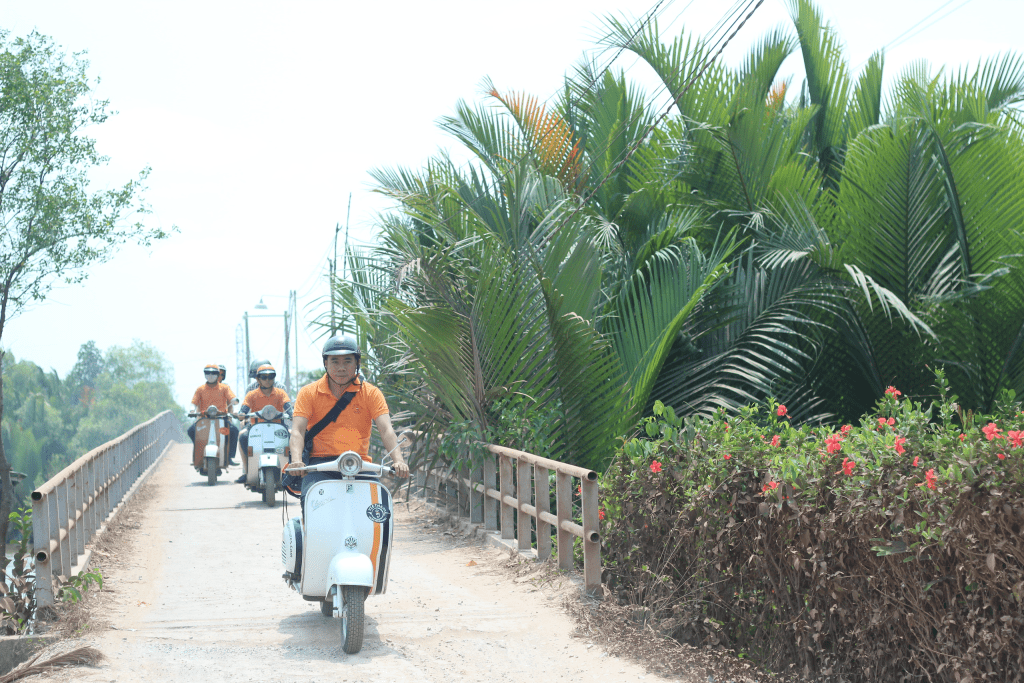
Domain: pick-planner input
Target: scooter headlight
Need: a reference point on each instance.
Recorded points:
(269, 412)
(211, 411)
(351, 464)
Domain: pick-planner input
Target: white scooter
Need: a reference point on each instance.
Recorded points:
(267, 453)
(342, 552)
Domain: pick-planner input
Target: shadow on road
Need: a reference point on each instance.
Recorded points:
(312, 636)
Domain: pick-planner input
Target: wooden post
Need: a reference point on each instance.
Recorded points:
(523, 495)
(591, 538)
(563, 500)
(476, 499)
(543, 504)
(505, 464)
(490, 505)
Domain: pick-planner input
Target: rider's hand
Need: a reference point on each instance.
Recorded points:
(401, 469)
(287, 468)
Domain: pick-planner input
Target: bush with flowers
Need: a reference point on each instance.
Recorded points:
(886, 550)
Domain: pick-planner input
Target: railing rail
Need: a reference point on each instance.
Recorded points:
(515, 486)
(70, 508)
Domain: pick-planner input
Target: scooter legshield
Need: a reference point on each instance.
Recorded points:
(343, 518)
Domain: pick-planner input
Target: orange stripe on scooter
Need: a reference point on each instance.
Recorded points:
(375, 552)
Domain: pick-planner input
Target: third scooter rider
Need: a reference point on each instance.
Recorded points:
(361, 405)
(265, 395)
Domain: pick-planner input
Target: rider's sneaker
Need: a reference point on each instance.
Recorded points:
(240, 480)
(231, 461)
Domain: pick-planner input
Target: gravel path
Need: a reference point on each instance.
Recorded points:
(194, 593)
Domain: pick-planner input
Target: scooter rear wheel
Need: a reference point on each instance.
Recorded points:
(352, 619)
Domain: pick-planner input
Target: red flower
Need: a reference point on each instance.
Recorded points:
(775, 440)
(655, 467)
(915, 460)
(781, 411)
(727, 456)
(930, 478)
(962, 437)
(770, 485)
(834, 443)
(881, 422)
(1016, 438)
(893, 391)
(891, 421)
(899, 445)
(1001, 456)
(600, 514)
(845, 429)
(848, 466)
(992, 431)
(727, 427)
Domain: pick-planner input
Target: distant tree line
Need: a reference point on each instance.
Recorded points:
(48, 422)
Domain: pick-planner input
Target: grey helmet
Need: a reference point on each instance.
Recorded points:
(255, 365)
(342, 345)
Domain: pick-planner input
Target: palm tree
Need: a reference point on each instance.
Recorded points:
(742, 244)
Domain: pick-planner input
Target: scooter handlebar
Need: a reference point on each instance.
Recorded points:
(335, 466)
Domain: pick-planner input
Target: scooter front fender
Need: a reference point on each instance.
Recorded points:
(211, 451)
(350, 569)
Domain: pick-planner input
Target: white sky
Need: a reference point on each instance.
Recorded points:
(258, 119)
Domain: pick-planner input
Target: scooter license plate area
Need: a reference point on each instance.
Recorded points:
(346, 516)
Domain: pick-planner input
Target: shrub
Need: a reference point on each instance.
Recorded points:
(886, 550)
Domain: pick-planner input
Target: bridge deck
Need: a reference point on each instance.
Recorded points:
(195, 594)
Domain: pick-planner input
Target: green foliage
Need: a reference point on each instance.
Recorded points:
(54, 224)
(17, 581)
(74, 590)
(49, 422)
(18, 609)
(806, 545)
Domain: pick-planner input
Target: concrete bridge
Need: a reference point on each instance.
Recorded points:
(193, 592)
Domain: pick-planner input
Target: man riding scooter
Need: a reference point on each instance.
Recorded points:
(341, 407)
(216, 394)
(254, 383)
(266, 394)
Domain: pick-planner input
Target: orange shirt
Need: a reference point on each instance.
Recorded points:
(256, 400)
(351, 431)
(207, 395)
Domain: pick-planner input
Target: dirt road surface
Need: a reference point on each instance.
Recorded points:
(194, 594)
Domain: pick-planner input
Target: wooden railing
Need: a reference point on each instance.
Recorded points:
(512, 488)
(70, 508)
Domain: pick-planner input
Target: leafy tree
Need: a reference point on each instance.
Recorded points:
(813, 245)
(54, 224)
(82, 378)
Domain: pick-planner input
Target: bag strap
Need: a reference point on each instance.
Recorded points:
(330, 417)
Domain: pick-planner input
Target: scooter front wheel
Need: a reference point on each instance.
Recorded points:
(352, 618)
(211, 471)
(270, 486)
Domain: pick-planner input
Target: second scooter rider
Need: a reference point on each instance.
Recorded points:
(355, 404)
(265, 395)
